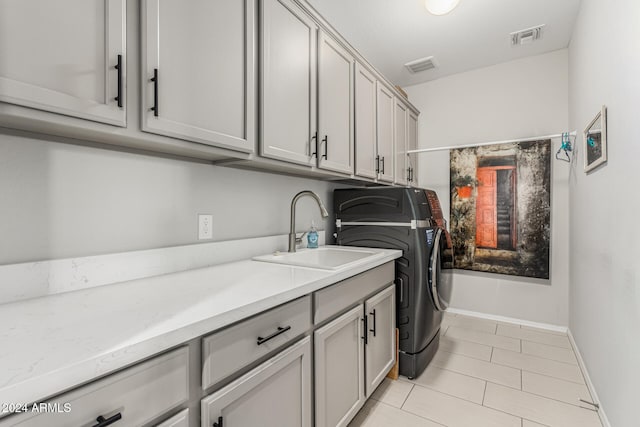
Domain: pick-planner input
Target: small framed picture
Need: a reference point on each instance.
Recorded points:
(595, 141)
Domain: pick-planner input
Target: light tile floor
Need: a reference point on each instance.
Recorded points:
(488, 373)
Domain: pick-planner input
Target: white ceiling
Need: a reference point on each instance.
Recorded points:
(390, 33)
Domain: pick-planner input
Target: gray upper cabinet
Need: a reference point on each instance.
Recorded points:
(412, 144)
(335, 106)
(400, 112)
(275, 394)
(385, 123)
(198, 71)
(365, 117)
(288, 77)
(61, 57)
(339, 369)
(380, 354)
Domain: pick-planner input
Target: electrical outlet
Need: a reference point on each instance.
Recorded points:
(205, 227)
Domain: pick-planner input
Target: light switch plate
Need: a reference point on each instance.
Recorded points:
(205, 227)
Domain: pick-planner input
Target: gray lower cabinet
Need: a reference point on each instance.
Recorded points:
(339, 369)
(275, 394)
(380, 354)
(353, 354)
(133, 397)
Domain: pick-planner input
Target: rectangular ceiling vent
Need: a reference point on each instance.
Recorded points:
(422, 64)
(526, 36)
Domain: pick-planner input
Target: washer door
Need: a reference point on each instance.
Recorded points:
(440, 273)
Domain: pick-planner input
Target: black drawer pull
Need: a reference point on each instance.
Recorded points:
(119, 68)
(154, 79)
(366, 332)
(219, 423)
(280, 330)
(373, 313)
(326, 147)
(377, 164)
(382, 161)
(103, 422)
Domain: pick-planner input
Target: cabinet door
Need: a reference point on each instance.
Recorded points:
(365, 118)
(400, 111)
(335, 106)
(385, 132)
(339, 369)
(200, 55)
(60, 56)
(288, 102)
(412, 144)
(275, 394)
(380, 350)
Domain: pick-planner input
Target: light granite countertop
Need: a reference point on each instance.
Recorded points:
(54, 343)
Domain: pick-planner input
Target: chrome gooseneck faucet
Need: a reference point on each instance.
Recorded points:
(292, 230)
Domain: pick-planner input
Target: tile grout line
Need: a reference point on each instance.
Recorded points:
(469, 376)
(544, 397)
(484, 393)
(535, 395)
(464, 400)
(409, 412)
(502, 385)
(533, 372)
(449, 394)
(407, 396)
(480, 343)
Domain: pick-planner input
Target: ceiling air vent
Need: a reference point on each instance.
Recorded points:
(526, 36)
(422, 64)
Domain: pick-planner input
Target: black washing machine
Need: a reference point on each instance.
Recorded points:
(401, 218)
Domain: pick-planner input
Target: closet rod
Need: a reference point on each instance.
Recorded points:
(454, 147)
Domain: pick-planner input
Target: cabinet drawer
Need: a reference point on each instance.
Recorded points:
(231, 349)
(139, 394)
(335, 298)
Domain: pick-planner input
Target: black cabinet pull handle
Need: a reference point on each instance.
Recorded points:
(326, 147)
(103, 422)
(315, 138)
(382, 161)
(280, 330)
(377, 164)
(373, 313)
(219, 423)
(154, 79)
(366, 332)
(119, 68)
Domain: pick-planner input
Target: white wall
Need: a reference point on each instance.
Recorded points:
(522, 98)
(60, 200)
(604, 68)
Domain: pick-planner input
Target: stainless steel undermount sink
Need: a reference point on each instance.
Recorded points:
(324, 257)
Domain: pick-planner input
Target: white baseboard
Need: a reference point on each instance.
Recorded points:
(513, 320)
(594, 396)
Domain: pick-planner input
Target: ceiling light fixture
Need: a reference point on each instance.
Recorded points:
(440, 7)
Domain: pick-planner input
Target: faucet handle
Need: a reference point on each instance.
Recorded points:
(299, 239)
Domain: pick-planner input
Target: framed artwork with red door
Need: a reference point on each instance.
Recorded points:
(500, 221)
